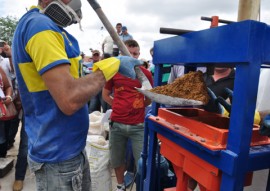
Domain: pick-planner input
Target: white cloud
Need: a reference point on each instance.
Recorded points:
(142, 17)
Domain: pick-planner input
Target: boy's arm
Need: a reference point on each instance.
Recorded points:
(106, 95)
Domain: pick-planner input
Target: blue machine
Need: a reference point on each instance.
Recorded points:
(244, 45)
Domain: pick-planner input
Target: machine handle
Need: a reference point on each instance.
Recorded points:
(219, 20)
(174, 31)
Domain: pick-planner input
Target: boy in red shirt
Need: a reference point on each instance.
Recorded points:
(127, 117)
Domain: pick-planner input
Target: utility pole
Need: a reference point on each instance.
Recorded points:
(248, 10)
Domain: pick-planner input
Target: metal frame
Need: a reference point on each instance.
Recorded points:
(244, 45)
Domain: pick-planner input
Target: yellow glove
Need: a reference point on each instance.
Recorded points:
(257, 117)
(109, 67)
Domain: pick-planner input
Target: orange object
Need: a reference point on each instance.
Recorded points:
(207, 129)
(210, 130)
(214, 22)
(188, 165)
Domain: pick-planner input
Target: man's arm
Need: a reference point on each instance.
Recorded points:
(106, 95)
(71, 94)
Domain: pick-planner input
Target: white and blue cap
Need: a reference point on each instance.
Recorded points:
(124, 28)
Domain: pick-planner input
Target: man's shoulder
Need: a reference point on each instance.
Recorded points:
(36, 22)
(108, 39)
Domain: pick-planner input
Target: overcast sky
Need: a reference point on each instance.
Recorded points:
(143, 18)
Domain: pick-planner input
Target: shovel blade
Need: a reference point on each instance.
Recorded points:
(168, 100)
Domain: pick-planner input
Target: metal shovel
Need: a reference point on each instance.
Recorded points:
(168, 100)
(159, 98)
(140, 75)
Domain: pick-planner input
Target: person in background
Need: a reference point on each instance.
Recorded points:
(21, 165)
(11, 125)
(119, 28)
(107, 45)
(6, 98)
(54, 93)
(125, 35)
(179, 70)
(166, 69)
(6, 89)
(127, 118)
(88, 66)
(221, 79)
(151, 64)
(119, 32)
(97, 103)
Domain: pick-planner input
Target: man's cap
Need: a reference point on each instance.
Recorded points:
(95, 52)
(124, 28)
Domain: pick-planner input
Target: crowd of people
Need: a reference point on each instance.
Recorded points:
(54, 86)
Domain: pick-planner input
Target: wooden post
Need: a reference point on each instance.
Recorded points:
(248, 9)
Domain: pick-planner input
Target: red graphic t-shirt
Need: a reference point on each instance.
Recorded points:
(128, 104)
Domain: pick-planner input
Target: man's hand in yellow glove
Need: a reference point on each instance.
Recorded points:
(228, 106)
(122, 64)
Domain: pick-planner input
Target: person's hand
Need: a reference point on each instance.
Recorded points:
(213, 105)
(7, 100)
(218, 104)
(122, 64)
(222, 106)
(127, 65)
(224, 103)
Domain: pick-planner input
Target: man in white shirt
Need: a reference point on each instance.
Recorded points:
(107, 45)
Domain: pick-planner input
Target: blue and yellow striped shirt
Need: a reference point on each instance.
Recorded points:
(38, 46)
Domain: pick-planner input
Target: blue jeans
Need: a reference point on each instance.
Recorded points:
(97, 102)
(69, 175)
(21, 165)
(12, 129)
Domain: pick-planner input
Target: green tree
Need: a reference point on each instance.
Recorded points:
(7, 27)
